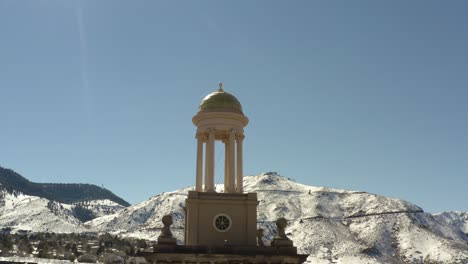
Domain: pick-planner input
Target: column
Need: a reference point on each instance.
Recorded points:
(226, 166)
(209, 164)
(199, 185)
(232, 149)
(240, 168)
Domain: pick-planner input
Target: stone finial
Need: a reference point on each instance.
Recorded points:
(281, 224)
(260, 237)
(281, 240)
(166, 234)
(167, 222)
(220, 89)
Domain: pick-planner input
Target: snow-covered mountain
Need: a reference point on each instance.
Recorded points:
(26, 213)
(458, 219)
(333, 226)
(32, 213)
(143, 220)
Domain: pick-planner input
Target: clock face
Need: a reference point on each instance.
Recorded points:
(222, 222)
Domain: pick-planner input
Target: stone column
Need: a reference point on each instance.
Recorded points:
(240, 168)
(226, 166)
(209, 165)
(199, 185)
(232, 156)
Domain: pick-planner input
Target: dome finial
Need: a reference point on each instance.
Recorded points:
(220, 87)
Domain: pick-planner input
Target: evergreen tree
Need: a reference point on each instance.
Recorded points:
(43, 254)
(100, 250)
(7, 243)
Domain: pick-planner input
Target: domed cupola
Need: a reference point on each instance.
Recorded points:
(220, 101)
(220, 118)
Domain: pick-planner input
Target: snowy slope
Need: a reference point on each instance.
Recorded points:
(31, 213)
(334, 226)
(102, 207)
(458, 219)
(143, 220)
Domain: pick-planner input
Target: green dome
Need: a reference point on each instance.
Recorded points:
(220, 101)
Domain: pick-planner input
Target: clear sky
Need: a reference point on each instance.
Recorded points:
(360, 95)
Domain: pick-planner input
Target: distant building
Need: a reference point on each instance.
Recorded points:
(221, 227)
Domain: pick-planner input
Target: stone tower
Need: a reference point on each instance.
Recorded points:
(221, 227)
(228, 217)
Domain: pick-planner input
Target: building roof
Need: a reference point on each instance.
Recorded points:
(220, 101)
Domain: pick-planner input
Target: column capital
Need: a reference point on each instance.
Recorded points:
(232, 133)
(240, 137)
(201, 135)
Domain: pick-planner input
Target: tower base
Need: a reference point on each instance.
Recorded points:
(214, 219)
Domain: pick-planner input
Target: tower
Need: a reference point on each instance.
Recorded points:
(220, 117)
(221, 227)
(228, 217)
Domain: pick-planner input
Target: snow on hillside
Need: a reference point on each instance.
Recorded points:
(458, 219)
(102, 207)
(313, 202)
(31, 213)
(143, 220)
(333, 226)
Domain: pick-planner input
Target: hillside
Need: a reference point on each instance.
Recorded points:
(20, 212)
(60, 192)
(333, 226)
(458, 219)
(32, 213)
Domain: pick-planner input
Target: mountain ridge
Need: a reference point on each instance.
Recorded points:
(12, 181)
(332, 225)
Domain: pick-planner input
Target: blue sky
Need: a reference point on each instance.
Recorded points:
(362, 95)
